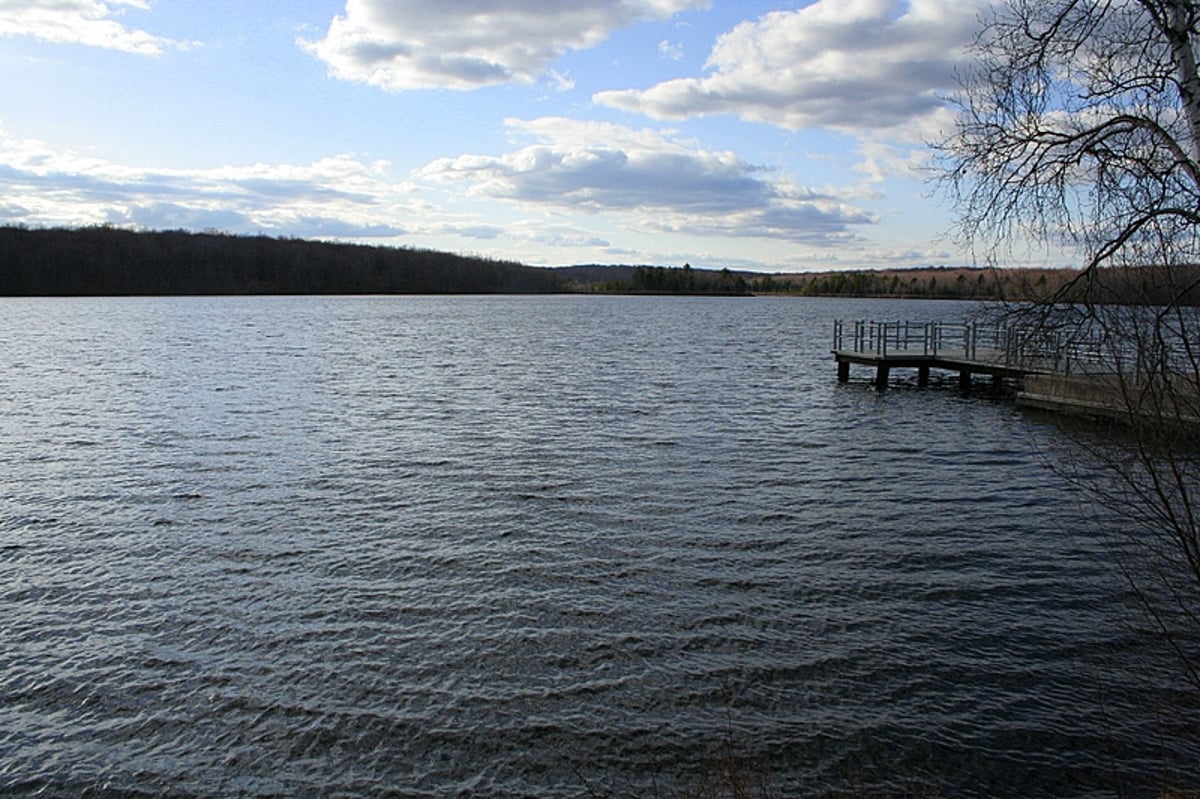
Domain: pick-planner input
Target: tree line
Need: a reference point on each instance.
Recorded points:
(625, 279)
(1126, 285)
(112, 261)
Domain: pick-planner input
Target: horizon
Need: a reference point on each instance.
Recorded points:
(756, 136)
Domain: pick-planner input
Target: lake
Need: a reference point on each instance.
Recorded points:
(544, 546)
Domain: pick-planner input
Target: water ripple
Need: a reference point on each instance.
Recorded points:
(536, 546)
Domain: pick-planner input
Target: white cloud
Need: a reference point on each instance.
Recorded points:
(464, 44)
(857, 65)
(671, 50)
(336, 197)
(881, 161)
(87, 22)
(651, 181)
(527, 232)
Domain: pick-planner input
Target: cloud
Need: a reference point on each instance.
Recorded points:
(522, 232)
(474, 231)
(671, 50)
(464, 44)
(882, 160)
(660, 183)
(336, 197)
(172, 216)
(86, 22)
(856, 65)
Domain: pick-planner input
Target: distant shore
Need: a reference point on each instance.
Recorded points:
(110, 261)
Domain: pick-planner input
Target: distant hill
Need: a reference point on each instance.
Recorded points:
(920, 282)
(1134, 285)
(111, 261)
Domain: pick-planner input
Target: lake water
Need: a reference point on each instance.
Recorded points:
(542, 546)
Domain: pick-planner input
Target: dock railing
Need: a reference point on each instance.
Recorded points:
(1062, 352)
(952, 339)
(1028, 348)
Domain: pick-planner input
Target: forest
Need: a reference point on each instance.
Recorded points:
(108, 261)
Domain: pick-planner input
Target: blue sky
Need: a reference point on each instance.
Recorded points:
(772, 136)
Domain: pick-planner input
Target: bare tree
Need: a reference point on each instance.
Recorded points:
(1080, 126)
(1079, 132)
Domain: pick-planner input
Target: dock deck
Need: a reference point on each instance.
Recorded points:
(970, 348)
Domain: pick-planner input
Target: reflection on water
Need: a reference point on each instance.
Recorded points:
(539, 546)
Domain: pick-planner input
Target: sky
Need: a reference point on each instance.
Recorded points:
(741, 134)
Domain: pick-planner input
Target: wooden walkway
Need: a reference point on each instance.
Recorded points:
(969, 349)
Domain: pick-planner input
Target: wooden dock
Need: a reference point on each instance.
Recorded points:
(968, 348)
(1062, 371)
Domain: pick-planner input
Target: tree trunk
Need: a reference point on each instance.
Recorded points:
(1178, 18)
